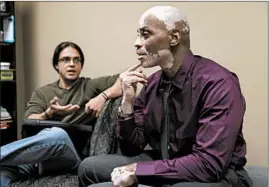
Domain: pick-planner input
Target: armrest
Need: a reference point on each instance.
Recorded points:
(33, 126)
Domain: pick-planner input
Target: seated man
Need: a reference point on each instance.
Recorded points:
(190, 113)
(71, 99)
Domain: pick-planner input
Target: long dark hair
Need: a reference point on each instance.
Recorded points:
(61, 47)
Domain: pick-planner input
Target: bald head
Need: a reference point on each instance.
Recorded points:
(171, 17)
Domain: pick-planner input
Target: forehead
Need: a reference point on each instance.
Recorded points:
(151, 22)
(70, 52)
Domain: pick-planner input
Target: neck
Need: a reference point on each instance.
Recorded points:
(171, 67)
(66, 84)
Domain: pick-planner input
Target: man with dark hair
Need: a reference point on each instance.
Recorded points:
(71, 99)
(190, 113)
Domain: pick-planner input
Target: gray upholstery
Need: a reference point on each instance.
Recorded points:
(259, 175)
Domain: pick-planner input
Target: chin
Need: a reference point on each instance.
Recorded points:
(148, 64)
(71, 78)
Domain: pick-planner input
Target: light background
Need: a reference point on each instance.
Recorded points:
(235, 34)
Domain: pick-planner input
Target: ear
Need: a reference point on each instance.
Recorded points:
(57, 67)
(175, 37)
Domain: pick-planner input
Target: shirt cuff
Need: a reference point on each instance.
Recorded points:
(126, 127)
(145, 168)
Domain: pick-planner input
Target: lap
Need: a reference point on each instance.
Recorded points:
(198, 184)
(112, 161)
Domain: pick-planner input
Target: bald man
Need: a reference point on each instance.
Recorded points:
(190, 113)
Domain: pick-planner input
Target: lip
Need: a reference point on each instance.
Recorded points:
(140, 53)
(141, 58)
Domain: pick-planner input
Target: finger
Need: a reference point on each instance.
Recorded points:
(59, 107)
(72, 108)
(135, 73)
(134, 67)
(135, 79)
(76, 107)
(113, 177)
(117, 182)
(86, 109)
(54, 100)
(93, 113)
(89, 111)
(97, 114)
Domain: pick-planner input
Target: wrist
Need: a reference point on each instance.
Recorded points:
(104, 95)
(48, 113)
(127, 107)
(127, 99)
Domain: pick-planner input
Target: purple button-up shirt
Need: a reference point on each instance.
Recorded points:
(205, 136)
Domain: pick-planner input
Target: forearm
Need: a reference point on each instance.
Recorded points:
(114, 91)
(131, 135)
(189, 168)
(41, 116)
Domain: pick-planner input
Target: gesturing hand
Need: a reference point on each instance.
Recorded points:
(56, 107)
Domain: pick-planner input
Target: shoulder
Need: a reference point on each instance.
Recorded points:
(214, 81)
(208, 71)
(46, 87)
(46, 90)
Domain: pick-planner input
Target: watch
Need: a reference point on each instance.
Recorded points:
(123, 114)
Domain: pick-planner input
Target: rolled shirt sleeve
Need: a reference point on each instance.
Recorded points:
(36, 105)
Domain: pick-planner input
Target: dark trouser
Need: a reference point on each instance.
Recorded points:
(97, 169)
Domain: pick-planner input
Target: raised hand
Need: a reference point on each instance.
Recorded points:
(129, 80)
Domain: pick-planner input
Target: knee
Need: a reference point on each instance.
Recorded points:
(56, 133)
(86, 167)
(89, 169)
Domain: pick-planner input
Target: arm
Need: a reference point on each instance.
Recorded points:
(220, 122)
(105, 88)
(130, 131)
(114, 91)
(110, 85)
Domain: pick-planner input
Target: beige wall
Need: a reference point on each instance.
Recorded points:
(234, 34)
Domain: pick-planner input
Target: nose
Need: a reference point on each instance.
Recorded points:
(71, 63)
(138, 43)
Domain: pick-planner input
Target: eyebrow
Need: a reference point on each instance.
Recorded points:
(68, 56)
(143, 29)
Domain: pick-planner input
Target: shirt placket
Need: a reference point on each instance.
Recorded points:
(165, 146)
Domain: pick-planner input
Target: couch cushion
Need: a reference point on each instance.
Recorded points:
(259, 175)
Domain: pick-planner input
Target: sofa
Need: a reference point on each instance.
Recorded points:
(100, 140)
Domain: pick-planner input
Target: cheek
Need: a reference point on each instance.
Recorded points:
(78, 67)
(60, 68)
(156, 46)
(161, 56)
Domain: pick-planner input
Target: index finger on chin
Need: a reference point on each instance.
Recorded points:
(134, 67)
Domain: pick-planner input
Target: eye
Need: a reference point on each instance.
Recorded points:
(76, 60)
(65, 59)
(145, 34)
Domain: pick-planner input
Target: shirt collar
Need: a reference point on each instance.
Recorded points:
(179, 79)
